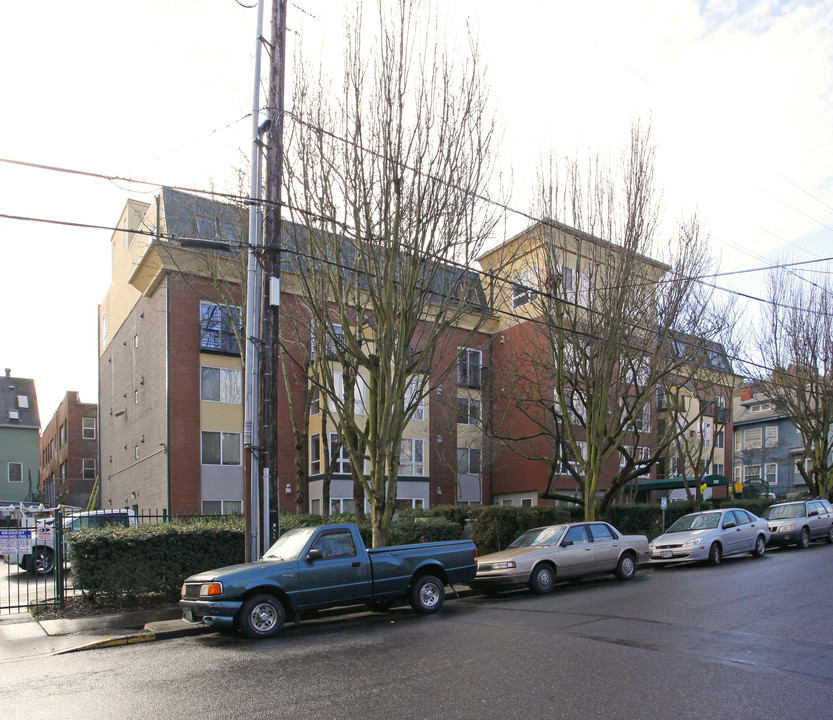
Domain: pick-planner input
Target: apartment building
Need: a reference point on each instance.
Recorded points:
(69, 453)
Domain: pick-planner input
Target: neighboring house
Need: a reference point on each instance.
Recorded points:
(766, 445)
(19, 440)
(69, 453)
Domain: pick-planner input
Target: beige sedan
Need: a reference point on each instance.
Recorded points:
(543, 555)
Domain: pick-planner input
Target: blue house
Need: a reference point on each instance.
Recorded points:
(19, 440)
(767, 445)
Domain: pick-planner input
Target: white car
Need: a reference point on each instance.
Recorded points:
(710, 536)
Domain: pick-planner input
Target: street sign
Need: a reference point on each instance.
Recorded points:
(15, 542)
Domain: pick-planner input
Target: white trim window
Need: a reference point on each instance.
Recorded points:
(738, 473)
(410, 392)
(707, 434)
(468, 411)
(360, 391)
(315, 454)
(412, 458)
(751, 472)
(468, 461)
(772, 436)
(641, 454)
(88, 468)
(339, 457)
(223, 385)
(771, 476)
(720, 439)
(752, 438)
(524, 286)
(221, 448)
(568, 457)
(88, 427)
(717, 468)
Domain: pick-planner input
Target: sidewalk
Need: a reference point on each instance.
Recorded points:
(23, 636)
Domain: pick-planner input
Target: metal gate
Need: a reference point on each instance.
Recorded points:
(34, 575)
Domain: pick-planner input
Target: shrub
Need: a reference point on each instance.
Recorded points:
(116, 561)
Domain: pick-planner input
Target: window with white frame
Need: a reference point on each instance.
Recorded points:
(468, 411)
(707, 434)
(772, 473)
(218, 324)
(411, 461)
(88, 428)
(341, 505)
(359, 392)
(88, 468)
(469, 368)
(643, 420)
(15, 472)
(738, 441)
(410, 393)
(222, 507)
(720, 439)
(738, 473)
(468, 461)
(221, 384)
(315, 400)
(751, 472)
(717, 468)
(676, 466)
(752, 438)
(524, 286)
(221, 448)
(568, 456)
(339, 457)
(576, 409)
(315, 454)
(771, 436)
(640, 454)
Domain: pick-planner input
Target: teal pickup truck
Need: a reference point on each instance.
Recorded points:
(316, 567)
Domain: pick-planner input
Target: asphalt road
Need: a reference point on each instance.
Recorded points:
(748, 639)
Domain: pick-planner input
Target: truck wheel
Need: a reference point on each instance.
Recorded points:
(261, 616)
(41, 561)
(542, 579)
(427, 594)
(804, 541)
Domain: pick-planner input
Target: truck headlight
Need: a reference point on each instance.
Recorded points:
(213, 588)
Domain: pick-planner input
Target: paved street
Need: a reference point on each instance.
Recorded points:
(748, 639)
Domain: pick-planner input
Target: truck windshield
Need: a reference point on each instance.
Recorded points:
(779, 512)
(289, 545)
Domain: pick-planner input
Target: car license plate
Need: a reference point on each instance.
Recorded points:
(666, 554)
(188, 615)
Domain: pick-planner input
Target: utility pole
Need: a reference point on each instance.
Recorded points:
(253, 293)
(270, 375)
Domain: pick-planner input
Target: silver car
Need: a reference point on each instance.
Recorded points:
(543, 555)
(711, 536)
(800, 522)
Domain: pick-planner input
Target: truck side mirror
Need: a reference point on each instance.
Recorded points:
(312, 555)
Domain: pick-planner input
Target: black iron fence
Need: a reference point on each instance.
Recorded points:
(36, 574)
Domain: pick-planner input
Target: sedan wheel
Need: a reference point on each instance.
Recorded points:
(626, 568)
(542, 579)
(760, 546)
(829, 537)
(715, 554)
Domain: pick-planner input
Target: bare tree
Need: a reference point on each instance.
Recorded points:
(612, 325)
(387, 173)
(796, 342)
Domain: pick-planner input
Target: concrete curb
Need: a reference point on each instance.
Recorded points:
(151, 633)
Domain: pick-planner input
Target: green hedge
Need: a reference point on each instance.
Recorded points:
(116, 561)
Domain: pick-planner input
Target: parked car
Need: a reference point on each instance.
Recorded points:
(800, 521)
(543, 555)
(711, 535)
(317, 567)
(40, 559)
